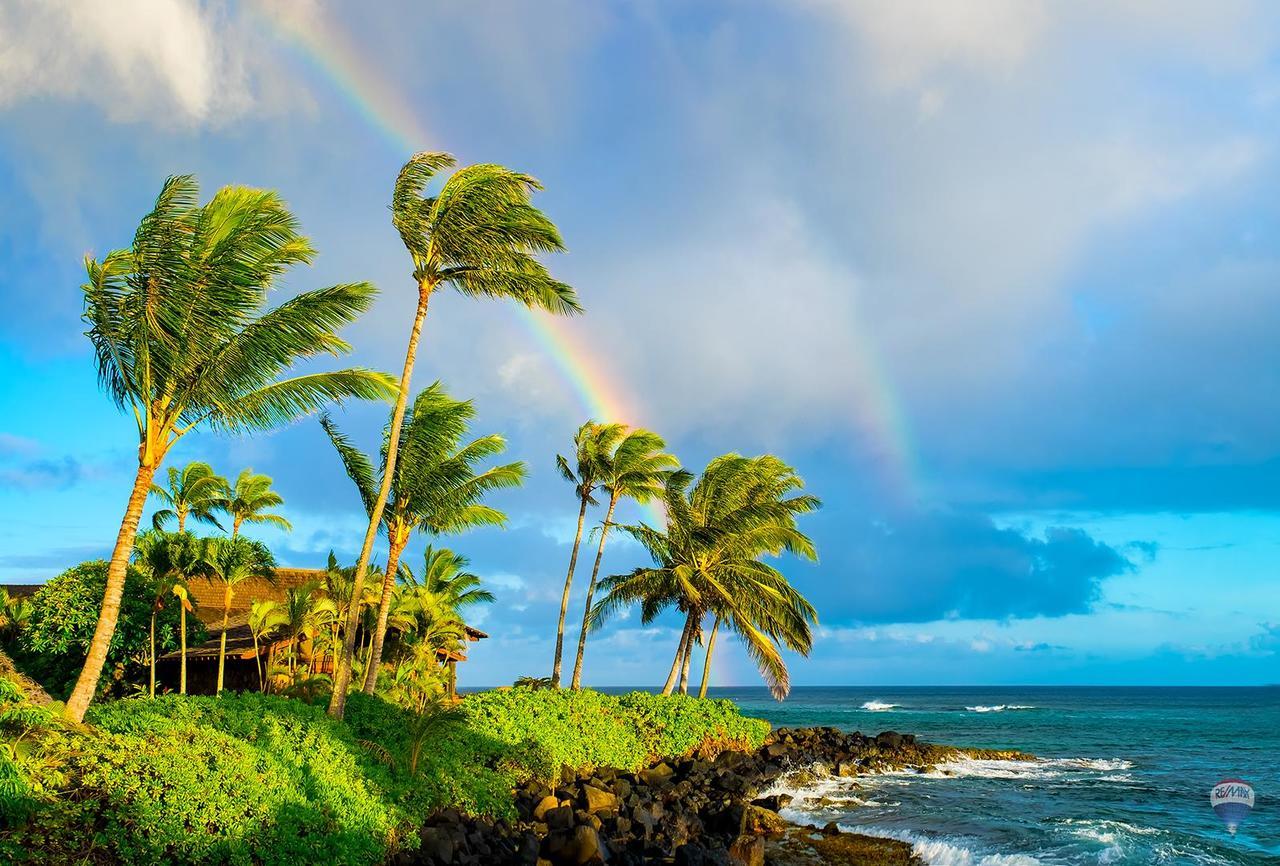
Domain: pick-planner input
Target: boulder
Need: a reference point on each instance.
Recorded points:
(747, 851)
(595, 799)
(773, 802)
(546, 804)
(758, 821)
(657, 776)
(559, 818)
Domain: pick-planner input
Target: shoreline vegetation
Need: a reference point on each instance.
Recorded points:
(332, 730)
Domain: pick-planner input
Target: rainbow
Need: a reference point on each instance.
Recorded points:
(330, 54)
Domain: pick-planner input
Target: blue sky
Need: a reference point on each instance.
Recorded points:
(1000, 280)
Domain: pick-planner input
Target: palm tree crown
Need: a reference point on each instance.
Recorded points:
(183, 339)
(709, 560)
(249, 499)
(195, 491)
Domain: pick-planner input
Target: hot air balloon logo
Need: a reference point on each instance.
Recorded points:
(1231, 800)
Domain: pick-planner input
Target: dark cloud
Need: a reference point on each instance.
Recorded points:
(930, 565)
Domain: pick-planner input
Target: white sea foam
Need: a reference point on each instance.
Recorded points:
(944, 851)
(998, 708)
(1040, 768)
(879, 706)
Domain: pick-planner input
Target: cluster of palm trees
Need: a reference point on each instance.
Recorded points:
(709, 559)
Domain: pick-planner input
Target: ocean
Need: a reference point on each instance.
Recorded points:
(1123, 775)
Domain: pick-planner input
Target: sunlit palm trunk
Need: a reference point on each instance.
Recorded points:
(182, 677)
(384, 611)
(670, 684)
(153, 652)
(564, 599)
(222, 644)
(591, 590)
(257, 660)
(684, 663)
(87, 682)
(706, 665)
(342, 676)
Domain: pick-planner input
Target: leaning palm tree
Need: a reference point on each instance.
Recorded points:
(481, 235)
(183, 341)
(638, 469)
(249, 499)
(444, 575)
(592, 445)
(709, 560)
(234, 561)
(168, 559)
(195, 491)
(436, 487)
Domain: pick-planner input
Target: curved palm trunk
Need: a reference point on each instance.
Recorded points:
(342, 676)
(182, 678)
(670, 684)
(384, 611)
(706, 665)
(257, 659)
(87, 682)
(564, 599)
(591, 591)
(222, 644)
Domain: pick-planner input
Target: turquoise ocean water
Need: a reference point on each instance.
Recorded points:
(1124, 775)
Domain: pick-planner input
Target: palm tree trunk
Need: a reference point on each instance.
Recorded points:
(675, 664)
(384, 611)
(591, 590)
(257, 659)
(342, 676)
(684, 664)
(706, 665)
(87, 682)
(182, 520)
(564, 599)
(153, 652)
(222, 645)
(182, 677)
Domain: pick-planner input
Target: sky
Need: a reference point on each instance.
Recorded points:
(999, 279)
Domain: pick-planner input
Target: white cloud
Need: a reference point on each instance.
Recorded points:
(166, 61)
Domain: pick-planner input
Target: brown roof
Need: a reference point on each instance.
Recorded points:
(207, 595)
(20, 590)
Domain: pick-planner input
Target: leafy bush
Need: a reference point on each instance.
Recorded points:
(64, 612)
(264, 779)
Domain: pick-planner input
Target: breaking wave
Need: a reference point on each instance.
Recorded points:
(998, 708)
(879, 706)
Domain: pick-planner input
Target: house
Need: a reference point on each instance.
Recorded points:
(242, 666)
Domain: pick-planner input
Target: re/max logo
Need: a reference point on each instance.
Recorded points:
(1223, 791)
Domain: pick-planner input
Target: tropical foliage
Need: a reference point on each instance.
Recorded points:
(194, 492)
(437, 486)
(481, 235)
(182, 340)
(709, 561)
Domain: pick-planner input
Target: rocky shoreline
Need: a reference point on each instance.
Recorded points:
(710, 809)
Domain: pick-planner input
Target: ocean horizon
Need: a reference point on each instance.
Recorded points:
(1122, 775)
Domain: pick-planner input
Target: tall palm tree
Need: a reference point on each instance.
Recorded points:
(592, 445)
(249, 499)
(183, 340)
(265, 616)
(184, 607)
(709, 560)
(168, 559)
(435, 487)
(195, 491)
(481, 235)
(234, 561)
(637, 469)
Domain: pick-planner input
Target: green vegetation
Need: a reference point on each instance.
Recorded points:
(265, 779)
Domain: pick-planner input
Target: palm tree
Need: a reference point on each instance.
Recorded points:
(307, 610)
(195, 492)
(265, 616)
(445, 576)
(184, 602)
(182, 341)
(15, 613)
(709, 561)
(233, 561)
(592, 445)
(168, 559)
(481, 235)
(435, 486)
(638, 469)
(249, 499)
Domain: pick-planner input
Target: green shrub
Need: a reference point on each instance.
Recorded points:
(64, 613)
(264, 779)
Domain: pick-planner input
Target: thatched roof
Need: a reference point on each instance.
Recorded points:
(207, 595)
(20, 590)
